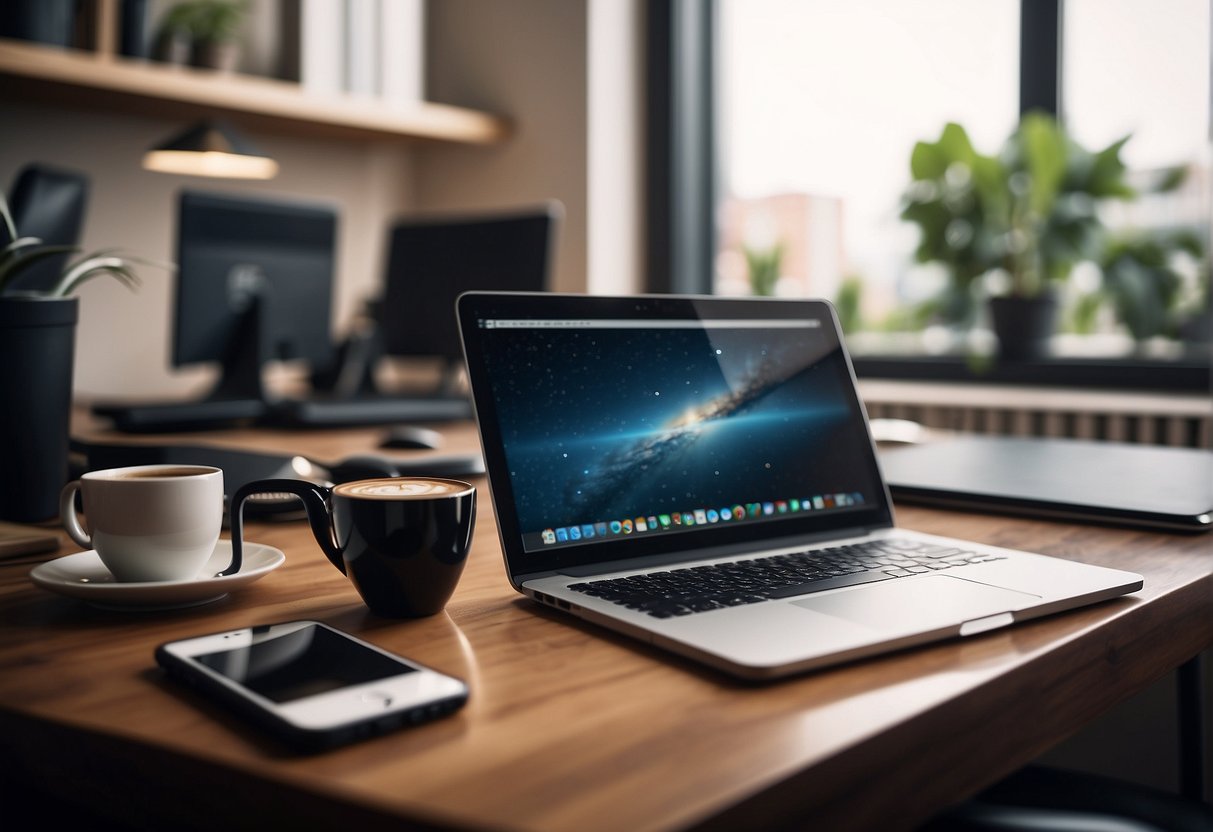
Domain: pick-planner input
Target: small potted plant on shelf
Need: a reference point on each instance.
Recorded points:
(1009, 227)
(205, 32)
(37, 340)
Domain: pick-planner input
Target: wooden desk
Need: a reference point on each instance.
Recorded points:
(571, 727)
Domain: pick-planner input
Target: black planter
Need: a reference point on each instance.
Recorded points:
(37, 352)
(1023, 326)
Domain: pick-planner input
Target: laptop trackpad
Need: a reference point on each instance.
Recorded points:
(919, 603)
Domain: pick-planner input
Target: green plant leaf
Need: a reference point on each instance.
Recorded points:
(1044, 155)
(1171, 179)
(25, 258)
(9, 225)
(12, 249)
(1107, 176)
(926, 162)
(93, 267)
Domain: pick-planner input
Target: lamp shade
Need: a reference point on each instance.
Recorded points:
(211, 148)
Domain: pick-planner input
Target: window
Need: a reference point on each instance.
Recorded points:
(818, 106)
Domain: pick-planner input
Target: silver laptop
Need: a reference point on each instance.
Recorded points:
(699, 473)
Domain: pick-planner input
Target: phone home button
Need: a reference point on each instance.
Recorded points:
(377, 697)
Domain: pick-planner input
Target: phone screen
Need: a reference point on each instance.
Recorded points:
(306, 662)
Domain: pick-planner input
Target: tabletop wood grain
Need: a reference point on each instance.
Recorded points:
(569, 726)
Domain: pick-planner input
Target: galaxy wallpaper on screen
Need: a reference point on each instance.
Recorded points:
(607, 423)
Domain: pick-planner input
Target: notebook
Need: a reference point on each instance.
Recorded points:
(1103, 482)
(698, 473)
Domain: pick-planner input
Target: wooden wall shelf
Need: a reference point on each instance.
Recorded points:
(90, 79)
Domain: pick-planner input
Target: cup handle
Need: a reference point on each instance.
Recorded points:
(315, 502)
(67, 514)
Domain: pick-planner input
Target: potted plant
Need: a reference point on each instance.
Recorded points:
(37, 339)
(174, 36)
(1009, 227)
(1141, 281)
(204, 30)
(763, 266)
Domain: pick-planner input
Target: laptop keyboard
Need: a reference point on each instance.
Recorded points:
(716, 586)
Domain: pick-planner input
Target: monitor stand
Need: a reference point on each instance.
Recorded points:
(348, 395)
(238, 397)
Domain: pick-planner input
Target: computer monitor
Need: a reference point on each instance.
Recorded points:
(432, 260)
(254, 284)
(48, 203)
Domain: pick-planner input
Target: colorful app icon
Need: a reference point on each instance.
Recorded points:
(713, 516)
(688, 519)
(677, 519)
(701, 516)
(616, 527)
(628, 527)
(794, 505)
(562, 535)
(600, 529)
(574, 532)
(818, 502)
(753, 509)
(652, 523)
(738, 513)
(829, 500)
(587, 531)
(642, 525)
(549, 535)
(726, 513)
(781, 506)
(665, 520)
(768, 509)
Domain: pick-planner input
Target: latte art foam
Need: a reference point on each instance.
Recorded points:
(401, 488)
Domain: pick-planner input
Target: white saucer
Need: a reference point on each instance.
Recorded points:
(82, 575)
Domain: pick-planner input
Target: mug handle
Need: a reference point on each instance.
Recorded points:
(67, 514)
(315, 502)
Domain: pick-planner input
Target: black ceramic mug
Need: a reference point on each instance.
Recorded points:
(402, 541)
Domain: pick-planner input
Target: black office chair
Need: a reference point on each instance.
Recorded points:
(1041, 799)
(47, 203)
(1045, 799)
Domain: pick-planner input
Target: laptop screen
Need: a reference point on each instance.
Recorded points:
(660, 424)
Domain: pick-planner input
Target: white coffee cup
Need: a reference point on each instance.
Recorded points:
(148, 522)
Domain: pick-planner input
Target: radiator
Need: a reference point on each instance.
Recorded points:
(1181, 420)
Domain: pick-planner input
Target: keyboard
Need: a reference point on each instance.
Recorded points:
(372, 410)
(712, 587)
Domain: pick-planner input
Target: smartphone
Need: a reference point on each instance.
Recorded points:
(310, 684)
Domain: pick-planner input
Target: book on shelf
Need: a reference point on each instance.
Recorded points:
(402, 51)
(362, 47)
(368, 48)
(321, 46)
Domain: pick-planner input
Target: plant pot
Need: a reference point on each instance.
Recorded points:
(222, 56)
(37, 342)
(1023, 326)
(172, 48)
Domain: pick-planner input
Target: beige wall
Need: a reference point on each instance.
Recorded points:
(525, 59)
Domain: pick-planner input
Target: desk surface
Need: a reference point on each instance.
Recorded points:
(569, 726)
